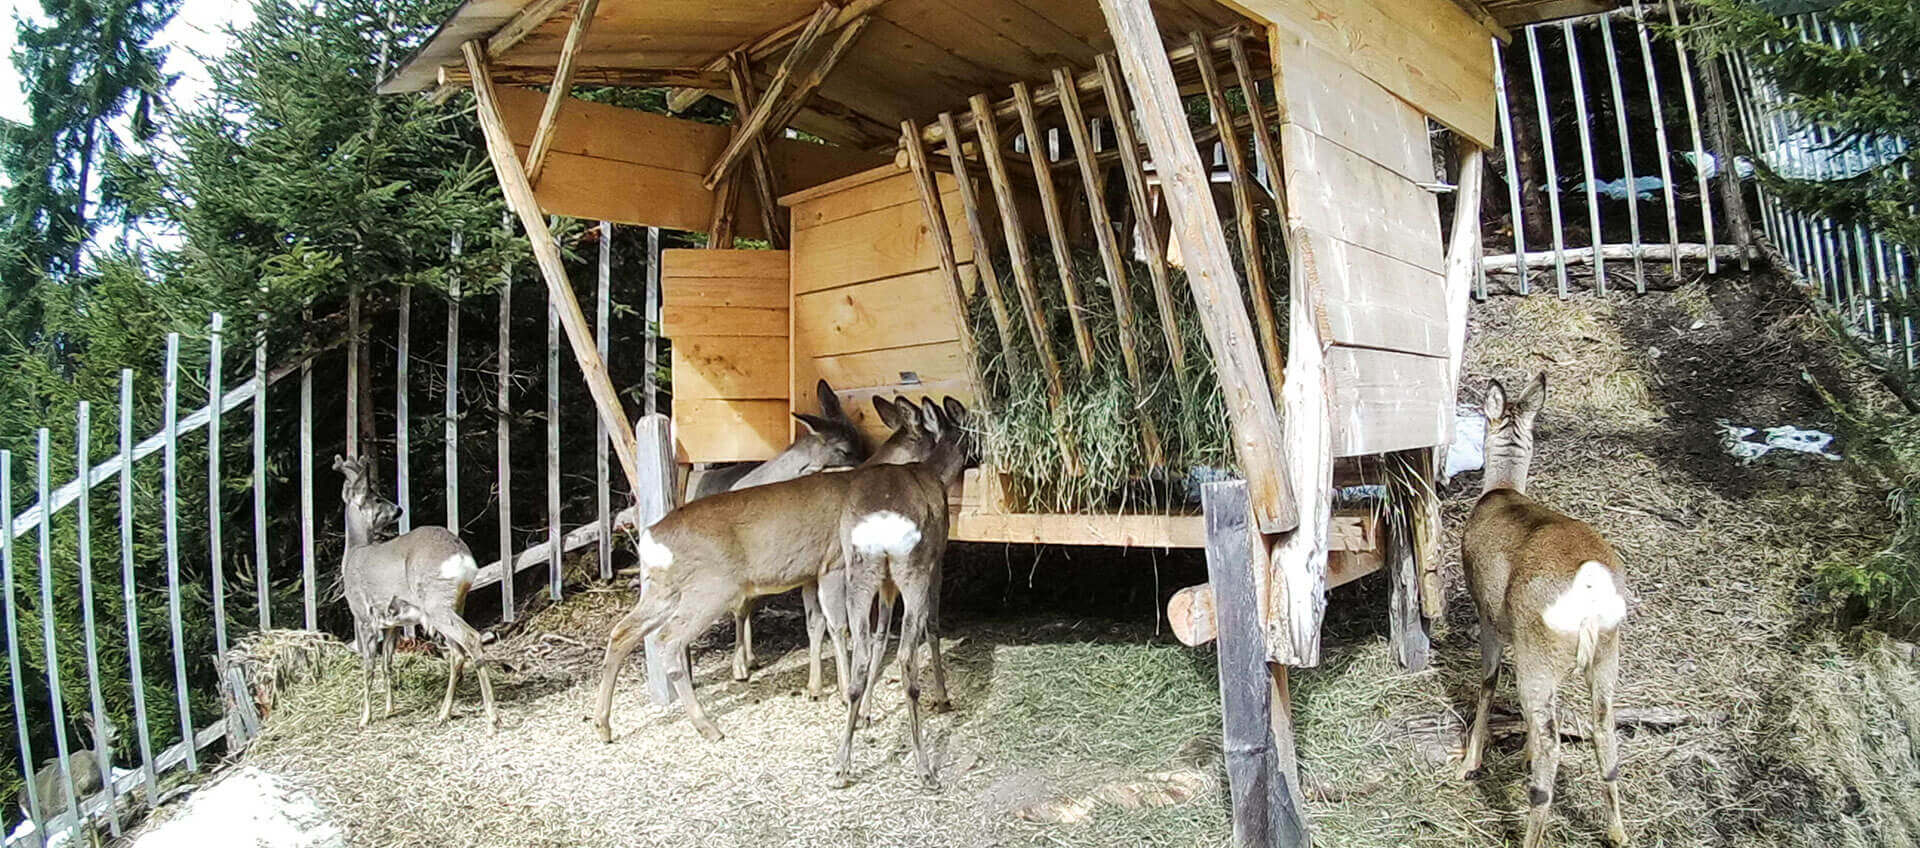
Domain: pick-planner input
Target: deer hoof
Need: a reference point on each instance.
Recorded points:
(841, 780)
(943, 705)
(1617, 835)
(605, 732)
(712, 733)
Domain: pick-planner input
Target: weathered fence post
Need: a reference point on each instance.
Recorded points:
(1265, 810)
(136, 677)
(83, 515)
(655, 498)
(49, 638)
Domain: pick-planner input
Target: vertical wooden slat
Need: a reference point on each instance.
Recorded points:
(1518, 216)
(215, 548)
(1260, 442)
(602, 323)
(27, 763)
(1136, 176)
(136, 675)
(653, 499)
(1264, 144)
(1699, 146)
(1659, 136)
(553, 451)
(1110, 258)
(503, 435)
(1252, 266)
(1546, 144)
(309, 579)
(83, 516)
(1626, 151)
(263, 599)
(450, 413)
(1016, 239)
(977, 230)
(557, 92)
(1056, 223)
(402, 415)
(928, 189)
(353, 374)
(652, 312)
(49, 639)
(1719, 127)
(1586, 154)
(740, 77)
(170, 493)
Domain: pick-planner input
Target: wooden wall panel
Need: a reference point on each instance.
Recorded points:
(1374, 300)
(885, 242)
(1386, 401)
(731, 351)
(1331, 99)
(635, 167)
(1349, 197)
(892, 312)
(1430, 53)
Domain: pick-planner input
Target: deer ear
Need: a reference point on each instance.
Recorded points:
(1494, 405)
(829, 402)
(909, 412)
(339, 462)
(932, 419)
(1535, 396)
(957, 412)
(813, 423)
(888, 414)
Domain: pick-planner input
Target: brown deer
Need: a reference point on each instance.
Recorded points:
(418, 578)
(88, 766)
(1553, 589)
(702, 558)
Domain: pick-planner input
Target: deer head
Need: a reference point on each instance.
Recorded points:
(367, 514)
(1509, 445)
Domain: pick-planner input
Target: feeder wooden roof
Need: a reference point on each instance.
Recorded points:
(914, 59)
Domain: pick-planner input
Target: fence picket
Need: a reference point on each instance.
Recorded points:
(309, 580)
(13, 636)
(601, 473)
(214, 546)
(170, 504)
(1586, 154)
(83, 514)
(503, 473)
(263, 597)
(1553, 176)
(402, 419)
(136, 676)
(50, 641)
(1513, 168)
(452, 409)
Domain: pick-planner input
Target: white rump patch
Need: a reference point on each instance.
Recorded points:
(653, 555)
(885, 532)
(460, 567)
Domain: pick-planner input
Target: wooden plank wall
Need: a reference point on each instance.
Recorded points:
(869, 298)
(726, 312)
(1354, 154)
(633, 167)
(1430, 53)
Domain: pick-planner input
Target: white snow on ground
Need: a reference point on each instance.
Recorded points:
(248, 808)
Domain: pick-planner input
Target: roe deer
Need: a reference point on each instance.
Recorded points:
(702, 558)
(419, 578)
(893, 533)
(87, 765)
(1550, 587)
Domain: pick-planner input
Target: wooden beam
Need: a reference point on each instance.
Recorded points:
(1462, 273)
(1264, 145)
(756, 119)
(929, 190)
(982, 240)
(557, 94)
(763, 185)
(530, 18)
(653, 499)
(519, 195)
(1056, 223)
(1259, 440)
(1150, 241)
(1110, 257)
(1021, 258)
(785, 113)
(762, 46)
(526, 75)
(1246, 221)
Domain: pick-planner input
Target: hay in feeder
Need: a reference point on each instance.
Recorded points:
(1100, 412)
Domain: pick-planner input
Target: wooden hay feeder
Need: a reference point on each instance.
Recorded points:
(930, 167)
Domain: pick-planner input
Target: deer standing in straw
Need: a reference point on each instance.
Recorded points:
(1551, 588)
(419, 578)
(888, 521)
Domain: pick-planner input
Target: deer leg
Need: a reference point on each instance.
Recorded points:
(1601, 676)
(743, 639)
(627, 635)
(1536, 684)
(816, 635)
(862, 583)
(458, 660)
(697, 610)
(913, 628)
(386, 669)
(363, 639)
(876, 662)
(1489, 678)
(938, 702)
(833, 607)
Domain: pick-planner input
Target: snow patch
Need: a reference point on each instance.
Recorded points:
(247, 809)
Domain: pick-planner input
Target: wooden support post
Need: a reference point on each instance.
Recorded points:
(1265, 806)
(602, 327)
(929, 190)
(1016, 236)
(654, 498)
(740, 78)
(1409, 490)
(1056, 223)
(520, 197)
(1693, 125)
(136, 676)
(784, 113)
(651, 313)
(977, 230)
(557, 92)
(1714, 90)
(1110, 258)
(170, 500)
(216, 552)
(1259, 440)
(1264, 144)
(749, 127)
(1150, 240)
(450, 411)
(1246, 217)
(503, 434)
(1463, 272)
(726, 204)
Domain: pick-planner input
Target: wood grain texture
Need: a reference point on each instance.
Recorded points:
(1375, 300)
(887, 242)
(678, 322)
(886, 313)
(718, 430)
(1335, 101)
(1349, 197)
(1386, 401)
(730, 368)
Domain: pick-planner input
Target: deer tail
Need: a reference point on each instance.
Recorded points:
(1591, 604)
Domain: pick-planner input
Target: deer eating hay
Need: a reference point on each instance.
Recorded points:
(1553, 589)
(886, 523)
(418, 578)
(88, 766)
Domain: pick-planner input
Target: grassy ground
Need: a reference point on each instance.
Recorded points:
(1755, 724)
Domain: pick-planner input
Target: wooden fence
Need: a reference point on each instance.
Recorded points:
(163, 749)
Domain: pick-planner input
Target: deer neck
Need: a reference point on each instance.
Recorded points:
(1508, 456)
(948, 461)
(358, 533)
(792, 462)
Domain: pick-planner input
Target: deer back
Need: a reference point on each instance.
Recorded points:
(765, 538)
